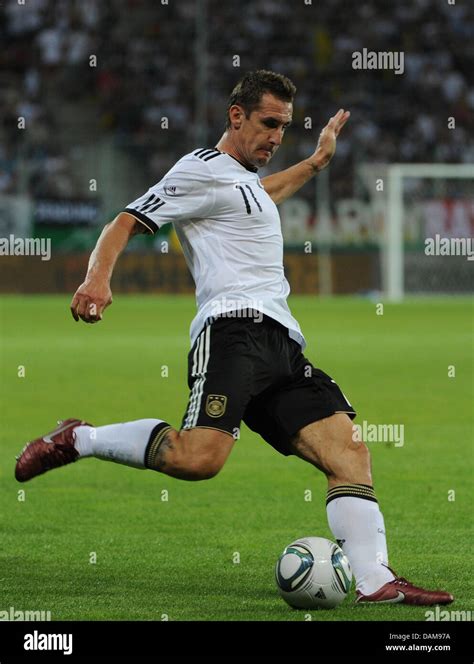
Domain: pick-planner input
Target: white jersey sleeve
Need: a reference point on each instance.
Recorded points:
(187, 191)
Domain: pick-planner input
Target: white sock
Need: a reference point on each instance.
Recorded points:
(357, 523)
(123, 443)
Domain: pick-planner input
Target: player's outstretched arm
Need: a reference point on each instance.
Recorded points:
(284, 184)
(94, 294)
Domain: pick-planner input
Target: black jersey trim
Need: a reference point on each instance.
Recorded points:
(146, 221)
(207, 152)
(252, 169)
(212, 156)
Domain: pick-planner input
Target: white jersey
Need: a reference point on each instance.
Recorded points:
(230, 232)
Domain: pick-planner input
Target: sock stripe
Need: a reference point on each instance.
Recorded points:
(350, 494)
(355, 487)
(349, 488)
(156, 438)
(360, 487)
(351, 491)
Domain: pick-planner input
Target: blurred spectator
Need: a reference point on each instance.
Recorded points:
(8, 169)
(146, 71)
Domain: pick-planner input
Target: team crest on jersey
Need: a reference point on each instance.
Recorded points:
(216, 405)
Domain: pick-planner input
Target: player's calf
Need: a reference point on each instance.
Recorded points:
(351, 466)
(195, 454)
(328, 444)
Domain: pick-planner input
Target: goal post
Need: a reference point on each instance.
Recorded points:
(407, 191)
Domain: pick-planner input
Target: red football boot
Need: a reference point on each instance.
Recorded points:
(51, 451)
(401, 590)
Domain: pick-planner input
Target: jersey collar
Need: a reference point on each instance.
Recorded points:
(252, 169)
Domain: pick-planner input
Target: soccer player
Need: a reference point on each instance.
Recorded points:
(246, 360)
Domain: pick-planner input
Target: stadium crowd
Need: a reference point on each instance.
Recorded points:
(146, 67)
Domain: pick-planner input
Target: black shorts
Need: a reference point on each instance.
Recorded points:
(249, 369)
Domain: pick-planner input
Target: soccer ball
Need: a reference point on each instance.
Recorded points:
(313, 573)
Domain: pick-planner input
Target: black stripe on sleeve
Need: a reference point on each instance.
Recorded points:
(155, 207)
(146, 221)
(144, 207)
(150, 198)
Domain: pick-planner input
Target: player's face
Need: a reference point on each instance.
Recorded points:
(261, 134)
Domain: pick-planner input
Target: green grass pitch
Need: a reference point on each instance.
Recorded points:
(177, 557)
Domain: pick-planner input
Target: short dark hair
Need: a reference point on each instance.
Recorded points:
(249, 90)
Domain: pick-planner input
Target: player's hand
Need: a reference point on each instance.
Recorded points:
(327, 140)
(90, 300)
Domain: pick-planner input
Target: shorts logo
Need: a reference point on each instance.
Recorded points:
(216, 405)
